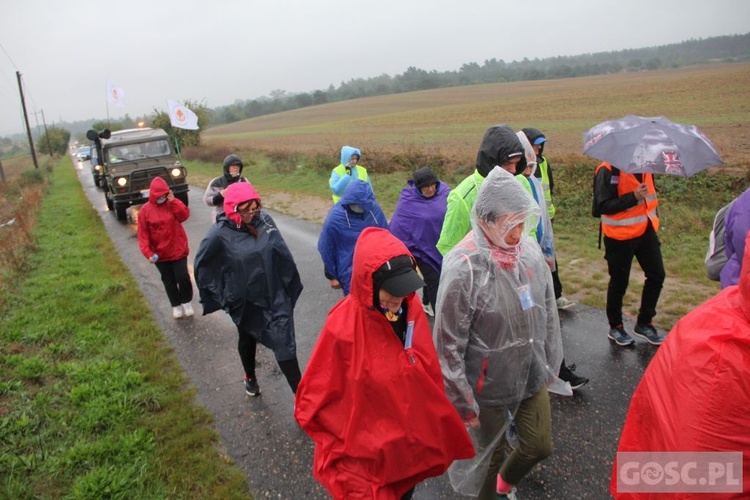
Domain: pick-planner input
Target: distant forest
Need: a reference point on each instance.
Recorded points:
(734, 48)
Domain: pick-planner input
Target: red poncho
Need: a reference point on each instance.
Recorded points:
(376, 410)
(695, 394)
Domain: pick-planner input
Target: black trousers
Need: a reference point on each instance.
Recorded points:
(176, 279)
(432, 280)
(556, 283)
(619, 255)
(250, 328)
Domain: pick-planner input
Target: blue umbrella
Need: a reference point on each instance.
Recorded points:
(656, 145)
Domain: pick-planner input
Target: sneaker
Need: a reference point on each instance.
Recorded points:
(177, 312)
(648, 333)
(619, 336)
(567, 375)
(564, 304)
(428, 309)
(251, 387)
(188, 308)
(511, 495)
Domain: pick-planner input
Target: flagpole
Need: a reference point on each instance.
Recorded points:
(106, 92)
(177, 147)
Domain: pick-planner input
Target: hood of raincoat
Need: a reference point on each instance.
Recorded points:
(694, 395)
(528, 158)
(499, 144)
(347, 152)
(230, 160)
(157, 189)
(359, 193)
(501, 196)
(533, 135)
(236, 194)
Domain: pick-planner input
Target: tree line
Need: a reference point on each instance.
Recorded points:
(733, 48)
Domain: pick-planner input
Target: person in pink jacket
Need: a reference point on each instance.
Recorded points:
(164, 243)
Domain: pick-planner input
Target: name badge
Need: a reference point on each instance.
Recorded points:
(527, 299)
(615, 179)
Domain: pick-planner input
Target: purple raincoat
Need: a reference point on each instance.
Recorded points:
(736, 226)
(417, 221)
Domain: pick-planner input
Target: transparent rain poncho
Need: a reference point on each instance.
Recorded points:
(497, 331)
(545, 236)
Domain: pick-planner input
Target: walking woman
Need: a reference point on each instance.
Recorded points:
(372, 396)
(163, 242)
(497, 334)
(244, 267)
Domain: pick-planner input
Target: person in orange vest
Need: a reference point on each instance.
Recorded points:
(629, 218)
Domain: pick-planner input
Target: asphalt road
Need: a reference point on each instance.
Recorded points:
(261, 435)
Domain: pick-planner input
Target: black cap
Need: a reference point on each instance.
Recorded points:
(398, 277)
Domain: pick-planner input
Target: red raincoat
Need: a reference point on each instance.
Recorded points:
(160, 228)
(695, 394)
(377, 412)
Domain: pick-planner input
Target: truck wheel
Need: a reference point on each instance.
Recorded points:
(183, 197)
(108, 199)
(122, 213)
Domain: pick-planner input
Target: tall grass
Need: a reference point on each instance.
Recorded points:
(93, 403)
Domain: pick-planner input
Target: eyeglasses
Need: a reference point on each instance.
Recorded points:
(248, 210)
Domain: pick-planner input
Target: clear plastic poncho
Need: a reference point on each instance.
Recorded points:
(497, 331)
(544, 234)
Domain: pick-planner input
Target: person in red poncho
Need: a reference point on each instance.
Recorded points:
(163, 242)
(695, 393)
(372, 396)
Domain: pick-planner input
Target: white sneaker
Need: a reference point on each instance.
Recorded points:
(188, 308)
(563, 303)
(428, 309)
(177, 312)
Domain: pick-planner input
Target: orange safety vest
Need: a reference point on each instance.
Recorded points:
(632, 222)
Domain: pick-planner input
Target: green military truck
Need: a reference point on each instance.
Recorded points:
(130, 159)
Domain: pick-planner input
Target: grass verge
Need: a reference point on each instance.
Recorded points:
(93, 403)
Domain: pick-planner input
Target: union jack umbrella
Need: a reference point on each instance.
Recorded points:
(636, 144)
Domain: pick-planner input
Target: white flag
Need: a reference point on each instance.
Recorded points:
(115, 95)
(181, 117)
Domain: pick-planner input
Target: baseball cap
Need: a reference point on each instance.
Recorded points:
(398, 276)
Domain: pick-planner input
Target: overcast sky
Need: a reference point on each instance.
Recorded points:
(222, 50)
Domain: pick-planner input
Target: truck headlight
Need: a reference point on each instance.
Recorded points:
(176, 172)
(122, 181)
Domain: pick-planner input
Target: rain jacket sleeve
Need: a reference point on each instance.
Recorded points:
(328, 249)
(214, 188)
(287, 271)
(452, 333)
(456, 224)
(736, 227)
(209, 271)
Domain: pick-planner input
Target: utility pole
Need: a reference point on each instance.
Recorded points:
(46, 134)
(26, 120)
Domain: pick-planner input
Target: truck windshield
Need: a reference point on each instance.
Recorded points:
(130, 152)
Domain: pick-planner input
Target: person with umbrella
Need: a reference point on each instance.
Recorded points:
(628, 207)
(625, 200)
